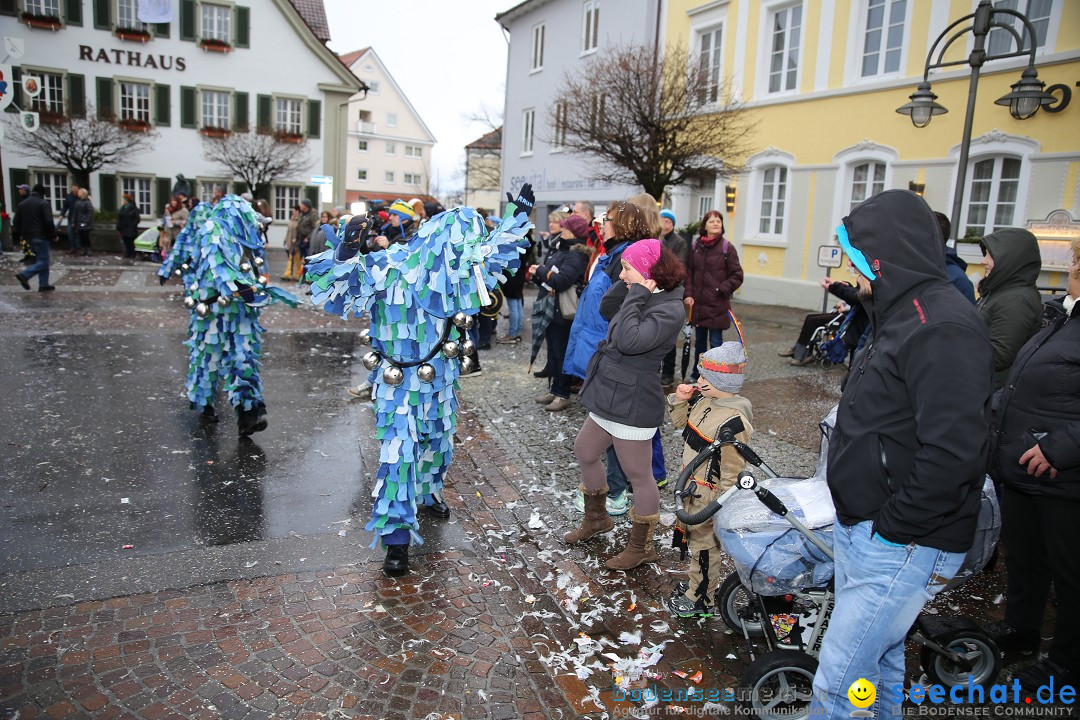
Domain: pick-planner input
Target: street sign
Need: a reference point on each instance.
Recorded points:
(322, 179)
(829, 256)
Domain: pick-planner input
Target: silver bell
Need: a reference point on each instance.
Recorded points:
(202, 310)
(264, 279)
(177, 272)
(468, 347)
(224, 300)
(460, 320)
(245, 266)
(469, 322)
(425, 372)
(364, 336)
(393, 375)
(189, 302)
(259, 262)
(451, 349)
(371, 360)
(467, 365)
(185, 267)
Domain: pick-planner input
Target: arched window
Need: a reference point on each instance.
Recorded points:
(993, 188)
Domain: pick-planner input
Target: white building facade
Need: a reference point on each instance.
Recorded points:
(549, 38)
(216, 68)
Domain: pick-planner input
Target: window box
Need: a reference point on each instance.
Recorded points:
(215, 132)
(45, 22)
(287, 137)
(133, 35)
(134, 125)
(215, 45)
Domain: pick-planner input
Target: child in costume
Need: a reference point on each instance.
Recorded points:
(420, 297)
(219, 257)
(700, 410)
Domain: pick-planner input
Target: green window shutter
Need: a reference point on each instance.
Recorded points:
(240, 121)
(107, 193)
(9, 7)
(187, 19)
(16, 76)
(314, 118)
(103, 14)
(311, 192)
(73, 12)
(162, 105)
(243, 27)
(262, 109)
(163, 191)
(187, 107)
(76, 94)
(161, 30)
(104, 97)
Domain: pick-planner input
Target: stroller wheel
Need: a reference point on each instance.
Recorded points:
(975, 646)
(736, 605)
(780, 684)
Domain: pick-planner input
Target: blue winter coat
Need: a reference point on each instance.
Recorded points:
(589, 326)
(957, 270)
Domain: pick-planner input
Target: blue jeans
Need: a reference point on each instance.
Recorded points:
(73, 236)
(40, 246)
(880, 591)
(705, 339)
(516, 306)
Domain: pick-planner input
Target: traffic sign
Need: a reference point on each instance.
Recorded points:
(829, 256)
(322, 179)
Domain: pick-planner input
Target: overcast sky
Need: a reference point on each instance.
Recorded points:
(449, 58)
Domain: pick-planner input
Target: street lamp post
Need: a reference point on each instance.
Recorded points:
(1025, 99)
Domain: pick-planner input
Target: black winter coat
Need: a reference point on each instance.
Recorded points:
(909, 448)
(858, 324)
(711, 278)
(127, 220)
(565, 268)
(1009, 302)
(33, 219)
(1042, 395)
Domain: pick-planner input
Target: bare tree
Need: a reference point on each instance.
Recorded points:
(82, 145)
(257, 158)
(649, 122)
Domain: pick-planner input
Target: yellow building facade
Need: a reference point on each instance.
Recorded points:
(823, 80)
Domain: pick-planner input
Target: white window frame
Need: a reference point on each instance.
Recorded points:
(373, 86)
(391, 148)
(55, 194)
(714, 31)
(558, 131)
(416, 151)
(528, 131)
(53, 84)
(758, 165)
(1053, 21)
(130, 105)
(141, 188)
(536, 51)
(389, 177)
(391, 119)
(286, 197)
(994, 196)
(590, 26)
(852, 157)
(362, 145)
(857, 49)
(411, 178)
(705, 204)
(127, 16)
(48, 8)
(215, 22)
(769, 10)
(361, 175)
(206, 94)
(293, 125)
(995, 144)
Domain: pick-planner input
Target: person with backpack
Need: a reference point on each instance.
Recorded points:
(712, 277)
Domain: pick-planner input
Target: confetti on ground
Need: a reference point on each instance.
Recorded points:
(696, 678)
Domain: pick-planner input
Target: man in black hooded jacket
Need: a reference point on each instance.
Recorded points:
(907, 456)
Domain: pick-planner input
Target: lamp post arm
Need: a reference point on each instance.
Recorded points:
(1028, 27)
(930, 55)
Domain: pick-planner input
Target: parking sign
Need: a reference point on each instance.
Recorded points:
(829, 256)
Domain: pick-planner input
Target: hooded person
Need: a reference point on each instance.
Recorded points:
(1009, 302)
(955, 266)
(402, 220)
(907, 457)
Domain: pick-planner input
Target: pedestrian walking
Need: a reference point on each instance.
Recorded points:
(65, 214)
(33, 224)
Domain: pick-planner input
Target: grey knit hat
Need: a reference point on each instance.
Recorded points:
(724, 367)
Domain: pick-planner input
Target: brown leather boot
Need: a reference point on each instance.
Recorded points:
(596, 519)
(639, 548)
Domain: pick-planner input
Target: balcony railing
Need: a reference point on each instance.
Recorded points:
(368, 128)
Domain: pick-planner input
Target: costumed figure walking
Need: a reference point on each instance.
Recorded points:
(420, 297)
(219, 257)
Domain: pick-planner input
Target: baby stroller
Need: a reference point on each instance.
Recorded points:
(780, 537)
(147, 242)
(827, 343)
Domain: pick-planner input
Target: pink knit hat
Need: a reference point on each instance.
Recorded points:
(642, 255)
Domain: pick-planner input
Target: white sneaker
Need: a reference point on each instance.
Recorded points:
(361, 391)
(618, 505)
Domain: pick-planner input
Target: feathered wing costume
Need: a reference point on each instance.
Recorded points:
(420, 297)
(218, 257)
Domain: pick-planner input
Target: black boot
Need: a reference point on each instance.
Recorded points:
(438, 509)
(397, 560)
(250, 422)
(209, 414)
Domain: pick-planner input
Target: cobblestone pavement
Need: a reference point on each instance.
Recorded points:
(510, 624)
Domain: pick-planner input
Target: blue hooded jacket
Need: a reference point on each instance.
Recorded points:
(957, 270)
(590, 327)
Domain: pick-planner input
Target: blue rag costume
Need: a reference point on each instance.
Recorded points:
(218, 257)
(418, 296)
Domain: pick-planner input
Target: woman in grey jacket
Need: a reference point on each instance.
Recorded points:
(625, 400)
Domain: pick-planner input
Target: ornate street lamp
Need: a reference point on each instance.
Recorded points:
(1027, 94)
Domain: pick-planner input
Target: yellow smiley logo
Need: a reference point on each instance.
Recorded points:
(862, 693)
